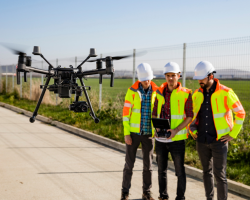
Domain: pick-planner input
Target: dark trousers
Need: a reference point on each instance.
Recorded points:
(177, 151)
(147, 151)
(214, 161)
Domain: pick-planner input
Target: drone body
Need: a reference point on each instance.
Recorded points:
(65, 79)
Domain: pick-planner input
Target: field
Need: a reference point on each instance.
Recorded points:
(111, 117)
(241, 88)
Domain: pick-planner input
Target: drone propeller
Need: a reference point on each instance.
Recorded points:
(14, 48)
(113, 58)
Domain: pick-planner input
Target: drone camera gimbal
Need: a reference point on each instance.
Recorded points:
(65, 79)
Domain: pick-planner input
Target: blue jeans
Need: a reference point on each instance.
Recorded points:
(177, 151)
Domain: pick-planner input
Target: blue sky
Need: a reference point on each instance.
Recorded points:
(70, 28)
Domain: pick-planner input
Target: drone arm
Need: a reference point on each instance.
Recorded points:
(92, 72)
(91, 54)
(46, 60)
(41, 71)
(33, 118)
(101, 72)
(79, 66)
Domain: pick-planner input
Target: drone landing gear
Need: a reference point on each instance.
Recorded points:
(33, 118)
(92, 114)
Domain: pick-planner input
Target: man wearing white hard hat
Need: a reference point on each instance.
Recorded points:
(213, 127)
(137, 113)
(174, 103)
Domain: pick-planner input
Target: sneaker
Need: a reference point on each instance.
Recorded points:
(124, 196)
(147, 196)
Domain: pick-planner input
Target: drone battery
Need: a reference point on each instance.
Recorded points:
(64, 92)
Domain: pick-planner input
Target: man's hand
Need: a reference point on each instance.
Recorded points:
(128, 139)
(226, 138)
(157, 130)
(194, 135)
(173, 133)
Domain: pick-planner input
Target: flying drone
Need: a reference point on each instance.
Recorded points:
(65, 79)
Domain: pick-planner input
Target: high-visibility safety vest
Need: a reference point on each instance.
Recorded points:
(178, 99)
(223, 102)
(132, 108)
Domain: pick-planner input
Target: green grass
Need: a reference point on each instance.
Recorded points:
(111, 126)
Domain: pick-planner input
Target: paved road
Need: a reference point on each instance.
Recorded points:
(42, 162)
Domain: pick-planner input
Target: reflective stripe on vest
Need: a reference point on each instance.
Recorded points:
(178, 116)
(181, 132)
(134, 125)
(125, 119)
(218, 115)
(222, 131)
(238, 108)
(239, 122)
(128, 105)
(135, 110)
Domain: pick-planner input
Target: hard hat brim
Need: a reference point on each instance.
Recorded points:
(146, 78)
(172, 72)
(199, 77)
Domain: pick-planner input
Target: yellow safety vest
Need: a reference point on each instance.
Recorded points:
(132, 108)
(223, 102)
(178, 99)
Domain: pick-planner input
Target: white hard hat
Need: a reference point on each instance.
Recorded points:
(202, 69)
(171, 67)
(144, 72)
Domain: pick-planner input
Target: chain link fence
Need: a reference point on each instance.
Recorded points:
(230, 57)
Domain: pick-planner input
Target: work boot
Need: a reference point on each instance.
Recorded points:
(161, 198)
(147, 196)
(124, 196)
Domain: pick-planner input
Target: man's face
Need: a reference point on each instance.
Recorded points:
(172, 78)
(204, 83)
(145, 84)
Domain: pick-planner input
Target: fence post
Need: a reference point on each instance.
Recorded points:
(13, 78)
(133, 66)
(6, 78)
(184, 66)
(56, 94)
(75, 61)
(100, 91)
(30, 85)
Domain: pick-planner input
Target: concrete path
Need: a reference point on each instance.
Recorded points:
(42, 162)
